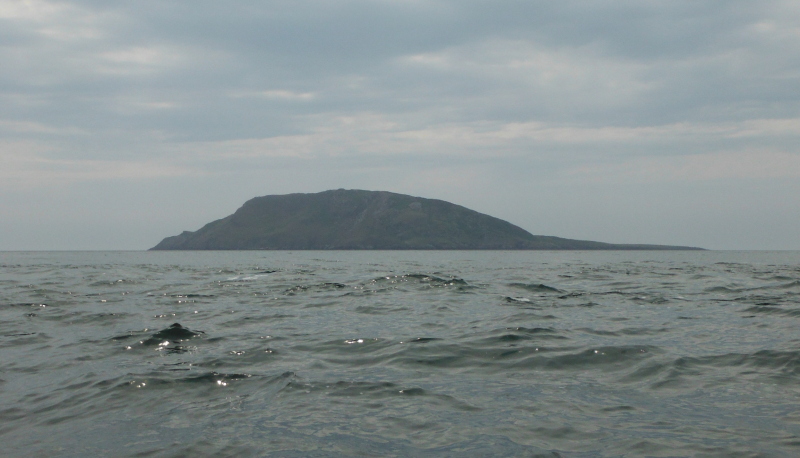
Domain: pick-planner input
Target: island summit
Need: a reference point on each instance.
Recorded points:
(369, 220)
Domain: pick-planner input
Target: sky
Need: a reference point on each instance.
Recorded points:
(625, 121)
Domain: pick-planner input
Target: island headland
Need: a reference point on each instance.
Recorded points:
(370, 220)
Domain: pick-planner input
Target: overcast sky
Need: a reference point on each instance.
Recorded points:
(629, 121)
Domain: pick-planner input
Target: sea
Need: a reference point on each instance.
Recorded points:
(400, 353)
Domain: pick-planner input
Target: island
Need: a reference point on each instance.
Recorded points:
(370, 220)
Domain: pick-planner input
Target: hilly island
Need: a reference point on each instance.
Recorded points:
(370, 220)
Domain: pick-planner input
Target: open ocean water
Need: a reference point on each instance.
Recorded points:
(442, 353)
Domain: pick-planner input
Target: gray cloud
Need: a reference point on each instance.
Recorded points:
(641, 62)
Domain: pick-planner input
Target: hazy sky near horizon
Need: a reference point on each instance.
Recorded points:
(628, 121)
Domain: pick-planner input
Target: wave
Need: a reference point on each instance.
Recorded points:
(536, 288)
(424, 279)
(779, 366)
(768, 310)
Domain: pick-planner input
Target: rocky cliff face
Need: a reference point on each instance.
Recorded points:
(366, 220)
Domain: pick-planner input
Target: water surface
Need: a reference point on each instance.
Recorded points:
(572, 354)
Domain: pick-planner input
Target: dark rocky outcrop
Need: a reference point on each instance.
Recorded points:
(368, 220)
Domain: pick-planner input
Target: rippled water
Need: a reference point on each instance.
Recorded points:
(573, 354)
